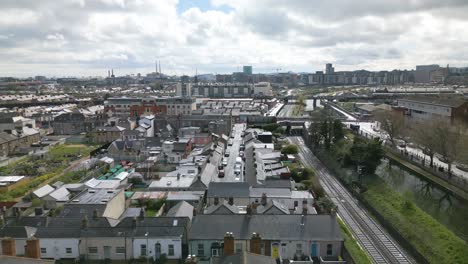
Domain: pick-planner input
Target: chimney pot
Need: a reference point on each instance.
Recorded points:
(264, 199)
(231, 200)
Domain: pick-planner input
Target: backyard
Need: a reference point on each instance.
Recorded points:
(45, 169)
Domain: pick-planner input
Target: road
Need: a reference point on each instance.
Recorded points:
(348, 116)
(369, 234)
(233, 150)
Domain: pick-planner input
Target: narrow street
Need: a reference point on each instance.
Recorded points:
(370, 234)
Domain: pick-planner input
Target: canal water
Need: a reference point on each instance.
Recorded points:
(449, 210)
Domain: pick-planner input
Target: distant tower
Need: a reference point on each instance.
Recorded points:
(156, 66)
(160, 72)
(112, 75)
(196, 76)
(108, 73)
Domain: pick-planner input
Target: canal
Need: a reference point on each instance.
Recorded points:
(449, 210)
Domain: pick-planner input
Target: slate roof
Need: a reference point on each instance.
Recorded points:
(272, 207)
(181, 209)
(270, 227)
(228, 189)
(244, 258)
(222, 208)
(71, 227)
(17, 231)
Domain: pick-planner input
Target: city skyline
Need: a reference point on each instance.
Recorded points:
(86, 38)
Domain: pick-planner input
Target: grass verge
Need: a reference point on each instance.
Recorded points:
(356, 252)
(430, 238)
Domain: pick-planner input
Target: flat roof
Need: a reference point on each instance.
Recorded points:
(11, 179)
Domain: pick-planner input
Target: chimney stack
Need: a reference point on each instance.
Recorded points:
(134, 222)
(142, 213)
(84, 222)
(264, 199)
(231, 200)
(256, 244)
(32, 248)
(8, 247)
(216, 200)
(228, 244)
(249, 209)
(95, 214)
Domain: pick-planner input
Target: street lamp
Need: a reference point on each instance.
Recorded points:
(147, 257)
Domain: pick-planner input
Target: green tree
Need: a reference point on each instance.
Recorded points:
(290, 149)
(338, 132)
(366, 154)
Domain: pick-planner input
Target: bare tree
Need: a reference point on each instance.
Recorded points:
(449, 141)
(422, 133)
(393, 123)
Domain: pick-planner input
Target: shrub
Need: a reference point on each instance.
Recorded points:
(290, 149)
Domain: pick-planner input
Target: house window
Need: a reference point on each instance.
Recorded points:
(296, 203)
(215, 252)
(142, 250)
(171, 250)
(68, 250)
(43, 251)
(201, 250)
(329, 249)
(299, 249)
(238, 247)
(92, 250)
(120, 250)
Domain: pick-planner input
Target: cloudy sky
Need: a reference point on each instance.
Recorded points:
(87, 37)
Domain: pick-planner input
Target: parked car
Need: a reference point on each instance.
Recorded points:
(224, 162)
(237, 169)
(221, 174)
(241, 154)
(226, 154)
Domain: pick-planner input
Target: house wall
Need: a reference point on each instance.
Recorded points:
(56, 248)
(151, 243)
(287, 249)
(111, 242)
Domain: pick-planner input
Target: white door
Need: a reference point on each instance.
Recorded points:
(284, 251)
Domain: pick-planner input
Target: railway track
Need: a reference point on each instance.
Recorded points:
(369, 234)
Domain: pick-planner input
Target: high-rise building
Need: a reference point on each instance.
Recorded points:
(423, 73)
(329, 69)
(247, 70)
(184, 89)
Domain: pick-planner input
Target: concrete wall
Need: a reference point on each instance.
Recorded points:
(112, 242)
(56, 248)
(287, 249)
(151, 243)
(116, 206)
